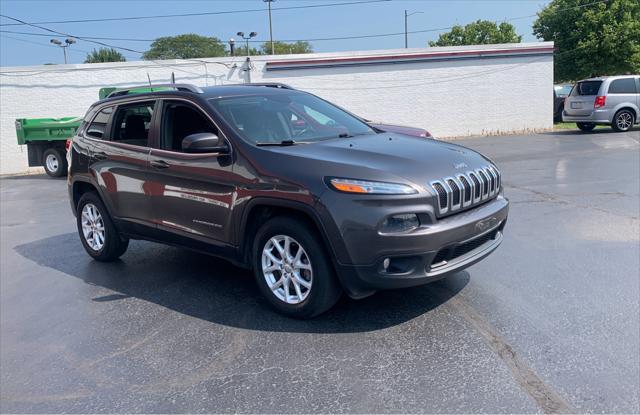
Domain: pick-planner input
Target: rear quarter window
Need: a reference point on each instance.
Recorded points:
(98, 125)
(586, 88)
(623, 86)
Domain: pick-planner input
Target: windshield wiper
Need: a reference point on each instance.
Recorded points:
(282, 143)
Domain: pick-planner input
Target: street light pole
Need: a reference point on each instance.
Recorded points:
(67, 42)
(252, 34)
(270, 27)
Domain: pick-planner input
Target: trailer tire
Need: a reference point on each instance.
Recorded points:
(54, 162)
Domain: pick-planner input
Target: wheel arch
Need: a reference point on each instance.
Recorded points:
(259, 210)
(82, 185)
(627, 106)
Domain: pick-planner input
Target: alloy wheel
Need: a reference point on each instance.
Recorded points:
(93, 227)
(624, 120)
(287, 269)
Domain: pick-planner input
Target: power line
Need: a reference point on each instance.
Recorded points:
(160, 16)
(319, 39)
(46, 29)
(42, 44)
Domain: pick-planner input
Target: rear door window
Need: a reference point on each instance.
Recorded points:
(623, 86)
(132, 123)
(586, 88)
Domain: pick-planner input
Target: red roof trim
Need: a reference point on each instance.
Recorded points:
(408, 57)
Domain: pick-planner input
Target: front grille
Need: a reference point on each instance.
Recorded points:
(466, 189)
(452, 252)
(466, 247)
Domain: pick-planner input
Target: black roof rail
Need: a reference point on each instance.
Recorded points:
(271, 85)
(177, 87)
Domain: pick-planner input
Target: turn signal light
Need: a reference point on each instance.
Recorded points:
(600, 101)
(67, 144)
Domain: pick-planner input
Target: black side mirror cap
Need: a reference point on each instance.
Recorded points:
(204, 143)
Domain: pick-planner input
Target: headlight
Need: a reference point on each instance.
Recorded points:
(400, 223)
(362, 186)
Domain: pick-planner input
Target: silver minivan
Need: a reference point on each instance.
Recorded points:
(611, 100)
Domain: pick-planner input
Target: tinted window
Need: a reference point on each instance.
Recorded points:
(586, 88)
(180, 120)
(132, 123)
(287, 115)
(623, 86)
(562, 90)
(99, 123)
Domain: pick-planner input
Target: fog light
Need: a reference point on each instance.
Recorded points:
(400, 223)
(386, 263)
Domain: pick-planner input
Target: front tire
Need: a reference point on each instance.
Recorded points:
(586, 126)
(99, 236)
(623, 121)
(54, 163)
(293, 270)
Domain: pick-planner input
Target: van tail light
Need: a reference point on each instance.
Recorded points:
(600, 101)
(67, 144)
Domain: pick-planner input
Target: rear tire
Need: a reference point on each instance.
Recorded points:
(586, 126)
(296, 276)
(54, 163)
(623, 120)
(99, 236)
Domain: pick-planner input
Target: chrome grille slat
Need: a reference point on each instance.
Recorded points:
(456, 194)
(463, 190)
(467, 195)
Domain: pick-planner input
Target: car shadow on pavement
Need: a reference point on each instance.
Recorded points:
(212, 289)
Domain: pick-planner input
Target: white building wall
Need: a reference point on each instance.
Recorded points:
(456, 97)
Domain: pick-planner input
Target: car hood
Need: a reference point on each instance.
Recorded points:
(384, 156)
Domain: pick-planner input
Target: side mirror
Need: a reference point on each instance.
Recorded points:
(203, 143)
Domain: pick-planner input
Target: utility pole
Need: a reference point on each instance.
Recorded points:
(406, 39)
(406, 32)
(270, 27)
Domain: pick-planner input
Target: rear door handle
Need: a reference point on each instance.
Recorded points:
(100, 156)
(160, 164)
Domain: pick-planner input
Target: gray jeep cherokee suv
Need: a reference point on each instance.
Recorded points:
(612, 100)
(312, 198)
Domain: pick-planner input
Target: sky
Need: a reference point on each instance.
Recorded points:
(380, 17)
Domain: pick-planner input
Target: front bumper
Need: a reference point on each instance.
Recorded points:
(436, 250)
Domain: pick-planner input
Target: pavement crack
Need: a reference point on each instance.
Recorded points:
(548, 197)
(544, 396)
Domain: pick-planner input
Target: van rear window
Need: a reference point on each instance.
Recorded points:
(586, 88)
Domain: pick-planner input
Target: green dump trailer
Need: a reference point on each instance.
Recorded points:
(45, 139)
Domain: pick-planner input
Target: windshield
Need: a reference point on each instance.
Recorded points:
(287, 116)
(563, 90)
(586, 88)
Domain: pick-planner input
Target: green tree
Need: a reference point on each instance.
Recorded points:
(283, 48)
(104, 55)
(600, 39)
(480, 32)
(186, 46)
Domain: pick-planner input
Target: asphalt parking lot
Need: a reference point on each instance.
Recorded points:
(548, 323)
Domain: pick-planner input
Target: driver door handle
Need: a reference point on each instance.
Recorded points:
(160, 164)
